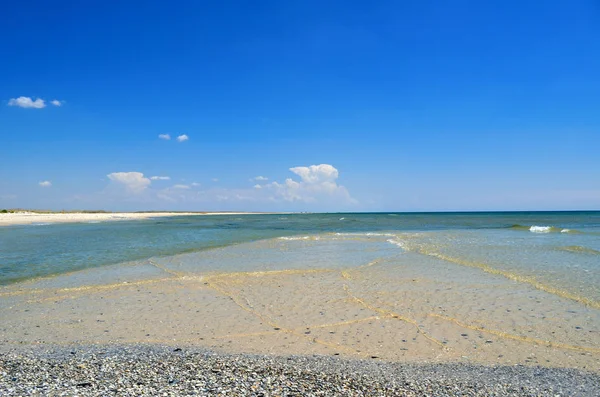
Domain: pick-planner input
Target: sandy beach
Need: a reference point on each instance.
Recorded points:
(335, 313)
(26, 218)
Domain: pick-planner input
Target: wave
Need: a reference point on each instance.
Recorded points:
(555, 290)
(543, 229)
(297, 238)
(369, 234)
(398, 243)
(579, 250)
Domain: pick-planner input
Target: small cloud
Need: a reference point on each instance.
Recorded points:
(181, 187)
(166, 137)
(259, 179)
(56, 102)
(215, 179)
(134, 182)
(160, 178)
(182, 138)
(195, 184)
(27, 102)
(257, 186)
(45, 184)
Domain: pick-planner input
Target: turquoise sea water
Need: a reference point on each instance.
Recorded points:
(560, 251)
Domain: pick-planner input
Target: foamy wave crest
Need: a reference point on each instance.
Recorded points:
(540, 229)
(548, 229)
(297, 238)
(544, 229)
(398, 243)
(579, 249)
(369, 234)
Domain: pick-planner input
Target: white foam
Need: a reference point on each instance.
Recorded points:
(341, 219)
(369, 234)
(298, 238)
(565, 231)
(398, 243)
(540, 229)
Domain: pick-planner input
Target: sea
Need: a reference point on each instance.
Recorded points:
(557, 252)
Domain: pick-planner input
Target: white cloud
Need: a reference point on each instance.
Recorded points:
(45, 184)
(215, 179)
(134, 182)
(259, 179)
(316, 173)
(182, 138)
(27, 102)
(160, 178)
(317, 184)
(56, 102)
(314, 187)
(166, 137)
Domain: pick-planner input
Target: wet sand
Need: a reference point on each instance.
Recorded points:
(305, 297)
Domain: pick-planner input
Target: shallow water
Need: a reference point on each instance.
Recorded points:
(487, 288)
(41, 250)
(559, 249)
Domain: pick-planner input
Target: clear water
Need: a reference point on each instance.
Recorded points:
(555, 251)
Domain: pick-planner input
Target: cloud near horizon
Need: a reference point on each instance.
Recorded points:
(133, 182)
(160, 178)
(27, 103)
(165, 137)
(45, 184)
(316, 185)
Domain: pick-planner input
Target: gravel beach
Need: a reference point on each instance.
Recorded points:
(167, 371)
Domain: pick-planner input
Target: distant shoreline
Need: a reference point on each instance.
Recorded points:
(31, 217)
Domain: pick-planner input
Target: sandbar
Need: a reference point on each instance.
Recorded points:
(25, 218)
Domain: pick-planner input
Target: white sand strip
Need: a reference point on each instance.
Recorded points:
(25, 218)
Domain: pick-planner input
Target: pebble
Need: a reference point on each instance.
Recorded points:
(143, 370)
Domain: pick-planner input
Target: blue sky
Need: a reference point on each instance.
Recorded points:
(397, 105)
